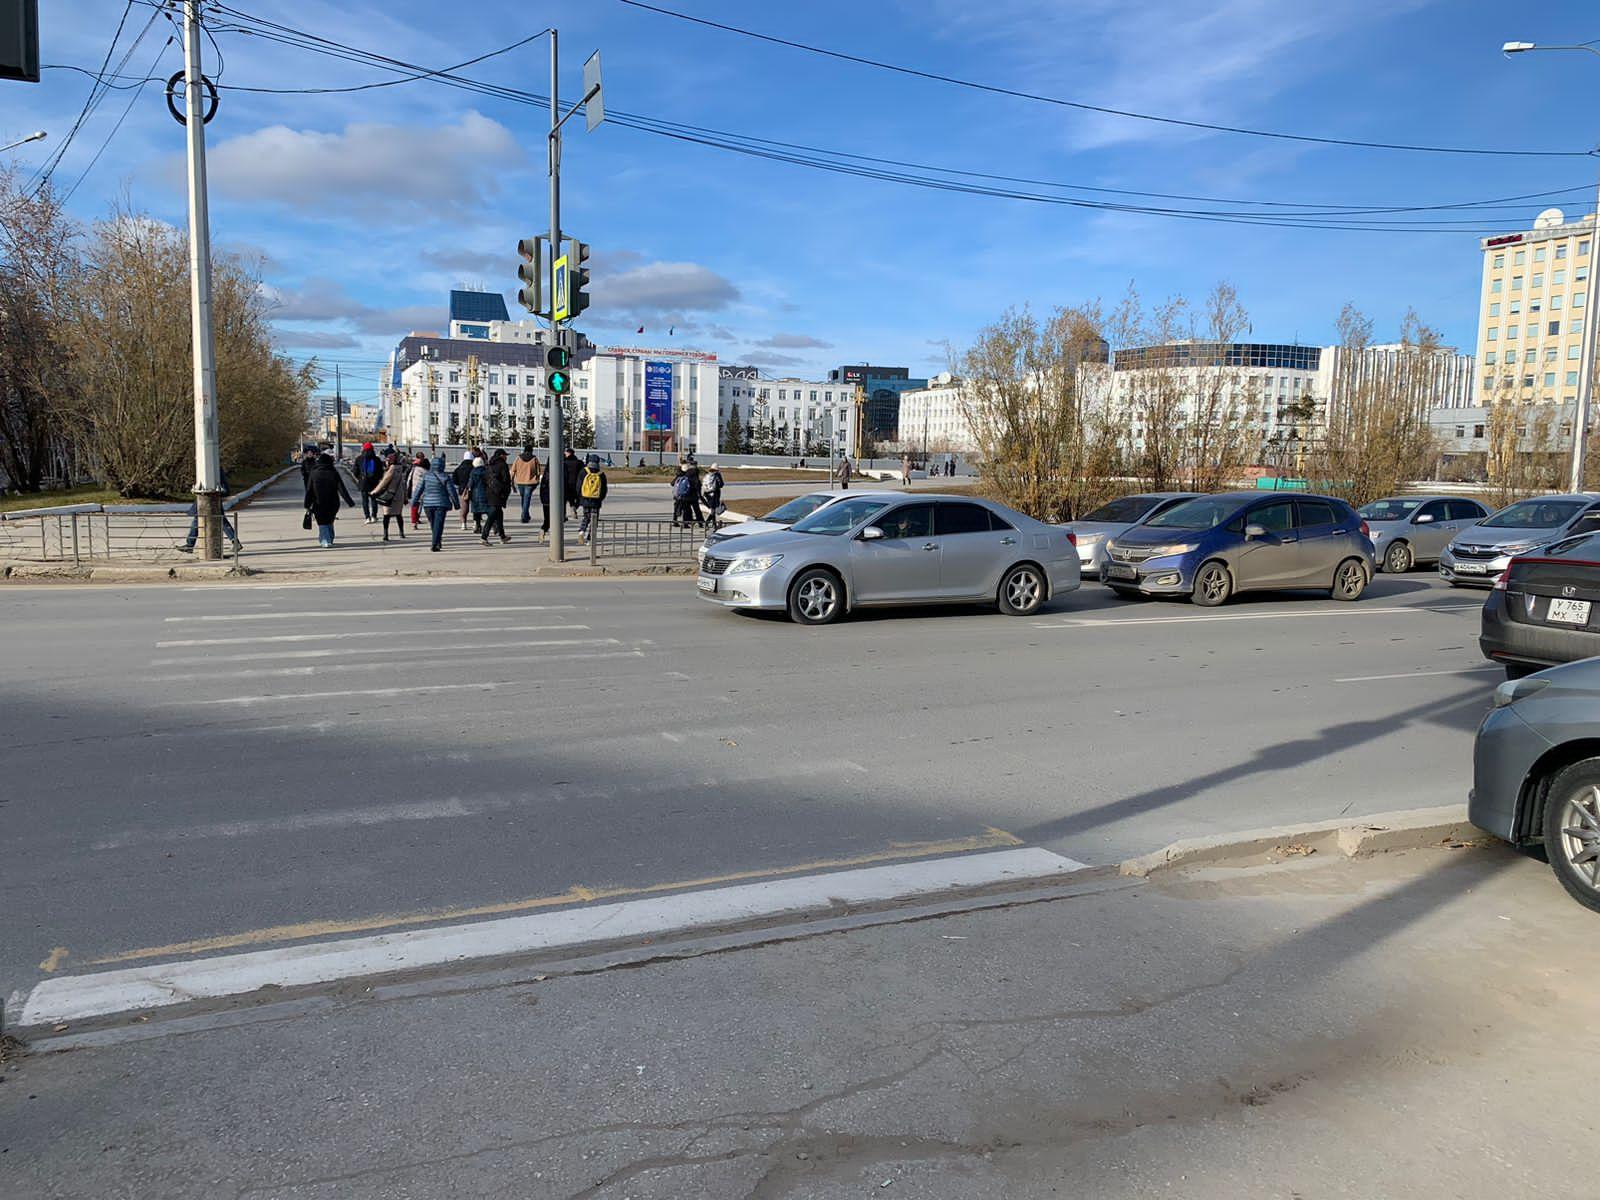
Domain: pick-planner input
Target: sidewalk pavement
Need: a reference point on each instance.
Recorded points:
(1417, 1024)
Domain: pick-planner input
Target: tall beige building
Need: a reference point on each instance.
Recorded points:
(1530, 317)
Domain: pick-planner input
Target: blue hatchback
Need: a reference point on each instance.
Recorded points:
(1211, 547)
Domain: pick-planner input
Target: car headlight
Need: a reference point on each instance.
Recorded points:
(1175, 548)
(1516, 547)
(754, 564)
(1089, 539)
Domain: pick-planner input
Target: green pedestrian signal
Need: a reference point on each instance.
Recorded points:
(559, 382)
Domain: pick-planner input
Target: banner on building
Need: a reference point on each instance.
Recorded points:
(657, 397)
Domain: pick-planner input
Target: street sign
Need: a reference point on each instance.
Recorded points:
(558, 303)
(594, 105)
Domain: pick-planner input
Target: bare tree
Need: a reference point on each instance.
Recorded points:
(1378, 434)
(1524, 457)
(1045, 441)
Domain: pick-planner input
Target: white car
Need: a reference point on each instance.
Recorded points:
(788, 513)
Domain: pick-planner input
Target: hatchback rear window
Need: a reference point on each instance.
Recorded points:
(1124, 511)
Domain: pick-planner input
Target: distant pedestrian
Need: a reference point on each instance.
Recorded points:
(369, 469)
(843, 472)
(460, 476)
(391, 493)
(905, 471)
(435, 491)
(951, 469)
(525, 473)
(194, 522)
(692, 509)
(544, 503)
(498, 483)
(711, 488)
(592, 494)
(308, 459)
(571, 475)
(419, 468)
(477, 497)
(680, 498)
(324, 489)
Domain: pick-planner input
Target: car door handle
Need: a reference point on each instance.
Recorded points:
(930, 545)
(1008, 541)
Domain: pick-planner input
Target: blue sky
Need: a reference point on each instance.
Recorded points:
(367, 207)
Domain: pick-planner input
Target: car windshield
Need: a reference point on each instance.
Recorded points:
(1206, 512)
(841, 517)
(800, 506)
(1535, 514)
(1397, 508)
(1124, 511)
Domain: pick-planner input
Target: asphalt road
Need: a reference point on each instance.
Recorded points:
(203, 767)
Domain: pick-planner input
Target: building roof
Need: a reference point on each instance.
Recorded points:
(478, 306)
(458, 350)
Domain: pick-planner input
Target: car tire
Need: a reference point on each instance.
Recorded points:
(1213, 584)
(1572, 830)
(1022, 590)
(816, 597)
(1349, 580)
(1398, 559)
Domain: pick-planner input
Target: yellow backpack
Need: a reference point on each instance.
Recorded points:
(591, 484)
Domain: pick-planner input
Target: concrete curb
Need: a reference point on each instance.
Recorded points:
(1409, 829)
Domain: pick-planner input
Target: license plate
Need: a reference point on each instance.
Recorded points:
(706, 585)
(1466, 568)
(1568, 612)
(1118, 571)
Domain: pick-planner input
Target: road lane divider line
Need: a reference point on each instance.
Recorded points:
(70, 998)
(367, 614)
(420, 664)
(275, 638)
(1344, 611)
(394, 691)
(1417, 674)
(282, 655)
(989, 839)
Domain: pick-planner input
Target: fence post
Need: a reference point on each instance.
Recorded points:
(594, 537)
(76, 561)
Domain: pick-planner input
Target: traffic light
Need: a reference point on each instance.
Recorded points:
(577, 278)
(558, 378)
(531, 272)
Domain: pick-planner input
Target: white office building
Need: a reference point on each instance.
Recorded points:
(935, 417)
(802, 415)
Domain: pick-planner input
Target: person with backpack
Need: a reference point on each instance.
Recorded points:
(591, 494)
(571, 476)
(435, 491)
(691, 507)
(369, 469)
(711, 486)
(390, 493)
(497, 483)
(680, 498)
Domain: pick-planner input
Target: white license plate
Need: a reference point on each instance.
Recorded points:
(1568, 612)
(706, 584)
(1118, 571)
(1466, 568)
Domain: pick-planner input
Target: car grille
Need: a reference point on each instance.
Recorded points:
(1133, 554)
(710, 564)
(1483, 553)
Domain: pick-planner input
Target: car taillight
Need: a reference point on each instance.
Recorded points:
(1500, 579)
(1366, 530)
(1072, 539)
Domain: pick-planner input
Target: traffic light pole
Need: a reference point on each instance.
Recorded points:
(557, 477)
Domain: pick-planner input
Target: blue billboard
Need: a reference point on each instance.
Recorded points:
(657, 397)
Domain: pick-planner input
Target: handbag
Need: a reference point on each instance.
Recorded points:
(306, 522)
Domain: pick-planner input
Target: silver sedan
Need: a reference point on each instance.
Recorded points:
(1115, 517)
(876, 550)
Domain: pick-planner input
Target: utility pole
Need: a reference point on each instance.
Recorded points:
(558, 499)
(338, 413)
(1586, 365)
(207, 453)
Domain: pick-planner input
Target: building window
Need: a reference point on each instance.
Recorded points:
(1533, 306)
(1558, 277)
(1516, 283)
(1499, 261)
(1583, 248)
(494, 376)
(433, 395)
(1555, 303)
(455, 376)
(1533, 329)
(1519, 258)
(1527, 381)
(1572, 379)
(455, 397)
(1538, 279)
(1549, 379)
(1494, 286)
(1574, 353)
(1511, 357)
(1516, 307)
(1494, 309)
(511, 380)
(1554, 328)
(1538, 254)
(1575, 325)
(1561, 250)
(1488, 359)
(1512, 330)
(1579, 274)
(1477, 431)
(1578, 299)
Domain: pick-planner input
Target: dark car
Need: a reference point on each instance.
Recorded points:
(1536, 772)
(1211, 547)
(1544, 608)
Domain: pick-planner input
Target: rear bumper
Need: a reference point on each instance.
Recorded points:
(1505, 640)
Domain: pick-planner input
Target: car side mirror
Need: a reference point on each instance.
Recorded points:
(1251, 532)
(1424, 518)
(871, 533)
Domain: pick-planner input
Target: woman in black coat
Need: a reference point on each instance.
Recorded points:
(497, 483)
(324, 490)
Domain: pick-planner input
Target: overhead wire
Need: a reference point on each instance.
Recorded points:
(1015, 93)
(43, 173)
(115, 129)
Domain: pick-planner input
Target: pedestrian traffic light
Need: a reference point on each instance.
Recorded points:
(577, 278)
(531, 271)
(558, 378)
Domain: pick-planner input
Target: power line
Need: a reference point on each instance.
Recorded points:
(1085, 107)
(43, 174)
(132, 99)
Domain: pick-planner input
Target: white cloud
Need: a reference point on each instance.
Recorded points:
(794, 341)
(664, 289)
(765, 359)
(369, 168)
(311, 339)
(327, 301)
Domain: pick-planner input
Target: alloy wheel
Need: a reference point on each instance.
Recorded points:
(1352, 579)
(1022, 590)
(1398, 560)
(817, 597)
(1213, 583)
(1579, 843)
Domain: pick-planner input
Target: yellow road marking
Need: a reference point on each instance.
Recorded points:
(991, 838)
(53, 959)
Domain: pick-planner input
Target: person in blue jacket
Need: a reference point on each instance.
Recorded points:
(436, 492)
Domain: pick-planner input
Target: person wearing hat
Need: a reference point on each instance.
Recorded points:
(477, 497)
(497, 483)
(591, 495)
(711, 487)
(571, 477)
(461, 475)
(369, 470)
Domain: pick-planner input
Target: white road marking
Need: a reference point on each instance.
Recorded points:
(1343, 611)
(81, 997)
(1415, 674)
(357, 633)
(367, 614)
(396, 691)
(281, 655)
(411, 665)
